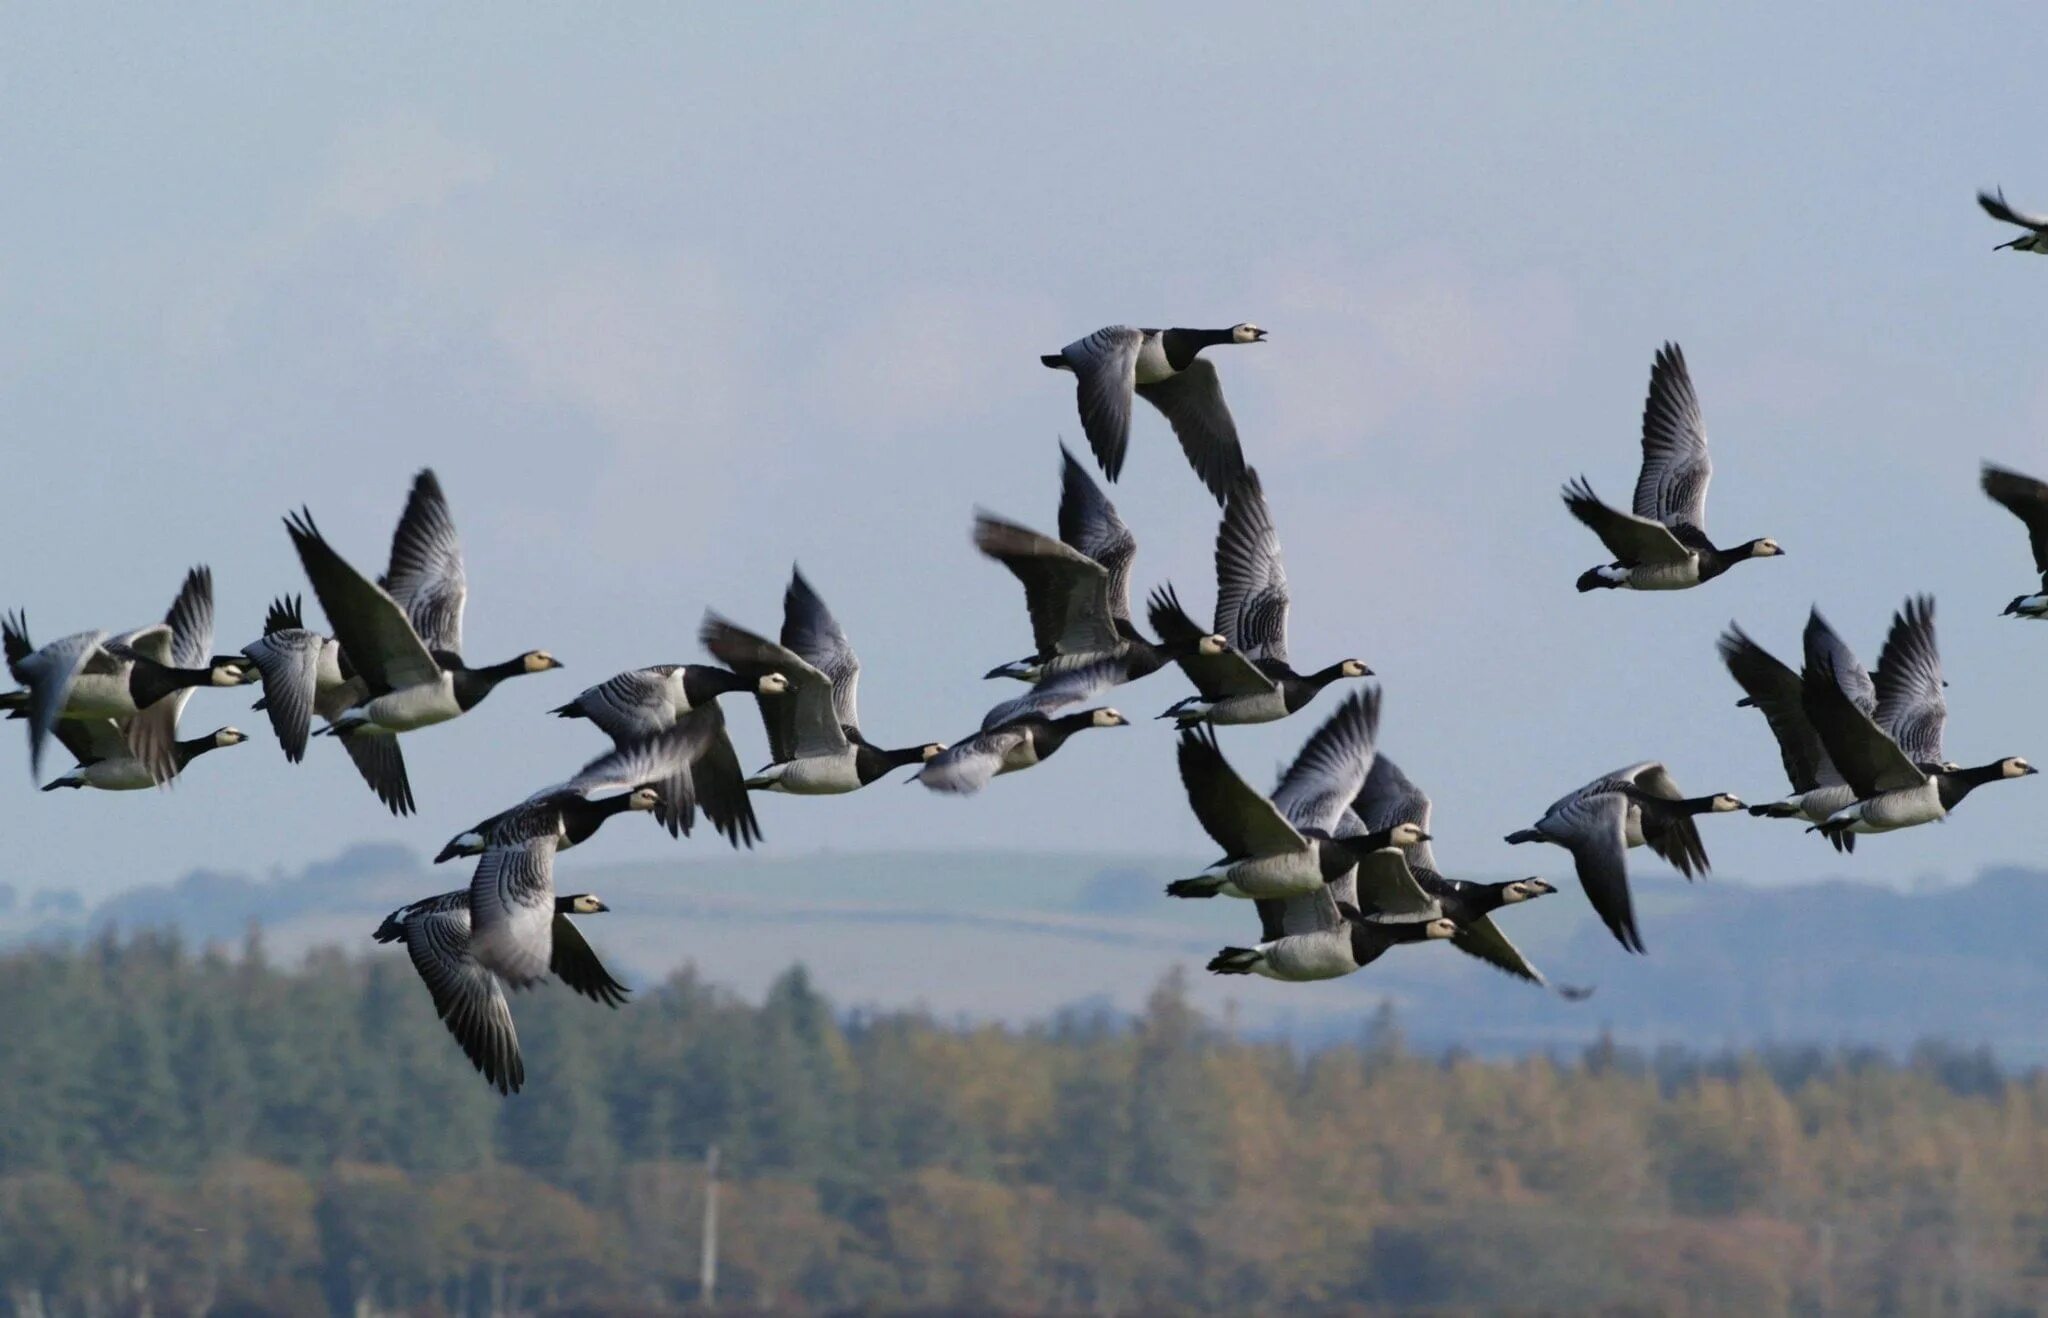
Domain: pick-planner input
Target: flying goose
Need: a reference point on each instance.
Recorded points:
(1166, 369)
(140, 678)
(305, 673)
(512, 905)
(1632, 807)
(1090, 526)
(2035, 239)
(106, 762)
(1283, 845)
(1663, 544)
(1019, 743)
(404, 637)
(1898, 777)
(470, 999)
(632, 706)
(1251, 680)
(1405, 883)
(654, 773)
(814, 736)
(2027, 499)
(1316, 936)
(1771, 687)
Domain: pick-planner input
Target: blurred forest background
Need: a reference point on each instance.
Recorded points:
(211, 1133)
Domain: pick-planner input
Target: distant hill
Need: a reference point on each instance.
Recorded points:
(1017, 936)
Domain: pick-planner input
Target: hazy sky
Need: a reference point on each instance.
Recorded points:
(674, 296)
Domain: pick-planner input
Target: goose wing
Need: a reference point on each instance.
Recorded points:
(1387, 887)
(968, 766)
(1910, 704)
(1869, 759)
(1774, 689)
(426, 576)
(91, 740)
(1311, 913)
(1089, 522)
(48, 674)
(1671, 834)
(663, 761)
(802, 721)
(628, 705)
(2027, 499)
(813, 634)
(1996, 206)
(370, 625)
(1630, 539)
(1595, 829)
(721, 788)
(575, 964)
(470, 999)
(1482, 938)
(512, 895)
(1387, 799)
(288, 660)
(1240, 820)
(382, 765)
(1067, 592)
(188, 643)
(1214, 675)
(1331, 767)
(1251, 585)
(1672, 486)
(1065, 687)
(1105, 366)
(1192, 402)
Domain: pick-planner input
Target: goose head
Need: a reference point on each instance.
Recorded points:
(1723, 802)
(1524, 890)
(1354, 668)
(1247, 332)
(643, 798)
(931, 750)
(1106, 718)
(538, 661)
(1440, 928)
(1765, 548)
(230, 670)
(1213, 644)
(229, 737)
(2015, 767)
(772, 684)
(582, 903)
(1406, 835)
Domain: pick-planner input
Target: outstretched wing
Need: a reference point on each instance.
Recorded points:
(426, 576)
(1251, 585)
(1089, 522)
(2027, 499)
(1672, 486)
(1192, 402)
(1240, 820)
(1910, 704)
(1632, 540)
(810, 631)
(1105, 367)
(575, 964)
(1331, 768)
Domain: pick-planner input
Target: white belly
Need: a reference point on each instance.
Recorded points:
(1295, 874)
(1888, 811)
(815, 775)
(1262, 707)
(414, 706)
(1305, 957)
(122, 775)
(1665, 576)
(1152, 364)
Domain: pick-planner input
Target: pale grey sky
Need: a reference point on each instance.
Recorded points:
(672, 296)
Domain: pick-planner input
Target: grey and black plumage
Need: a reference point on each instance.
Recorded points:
(402, 636)
(1634, 806)
(105, 760)
(1166, 369)
(814, 738)
(1775, 690)
(470, 999)
(1286, 844)
(653, 773)
(2035, 239)
(1318, 936)
(633, 706)
(2027, 499)
(140, 678)
(1662, 544)
(1015, 744)
(1892, 759)
(1253, 681)
(1388, 880)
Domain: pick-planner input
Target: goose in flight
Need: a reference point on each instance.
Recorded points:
(1404, 883)
(1316, 936)
(403, 636)
(2035, 239)
(1020, 743)
(1249, 680)
(654, 774)
(469, 998)
(1774, 690)
(1167, 370)
(1662, 544)
(1077, 591)
(106, 762)
(140, 678)
(1892, 759)
(633, 706)
(1631, 807)
(814, 736)
(2027, 499)
(1284, 845)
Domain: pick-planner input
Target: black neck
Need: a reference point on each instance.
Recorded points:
(188, 751)
(1695, 805)
(473, 684)
(1713, 562)
(1322, 677)
(1959, 784)
(150, 681)
(871, 762)
(705, 682)
(1182, 346)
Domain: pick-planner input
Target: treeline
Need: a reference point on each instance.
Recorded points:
(205, 1133)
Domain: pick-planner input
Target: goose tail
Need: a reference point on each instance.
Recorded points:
(1234, 961)
(1194, 887)
(1522, 835)
(1058, 360)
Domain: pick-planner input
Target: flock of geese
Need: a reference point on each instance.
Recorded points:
(1336, 860)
